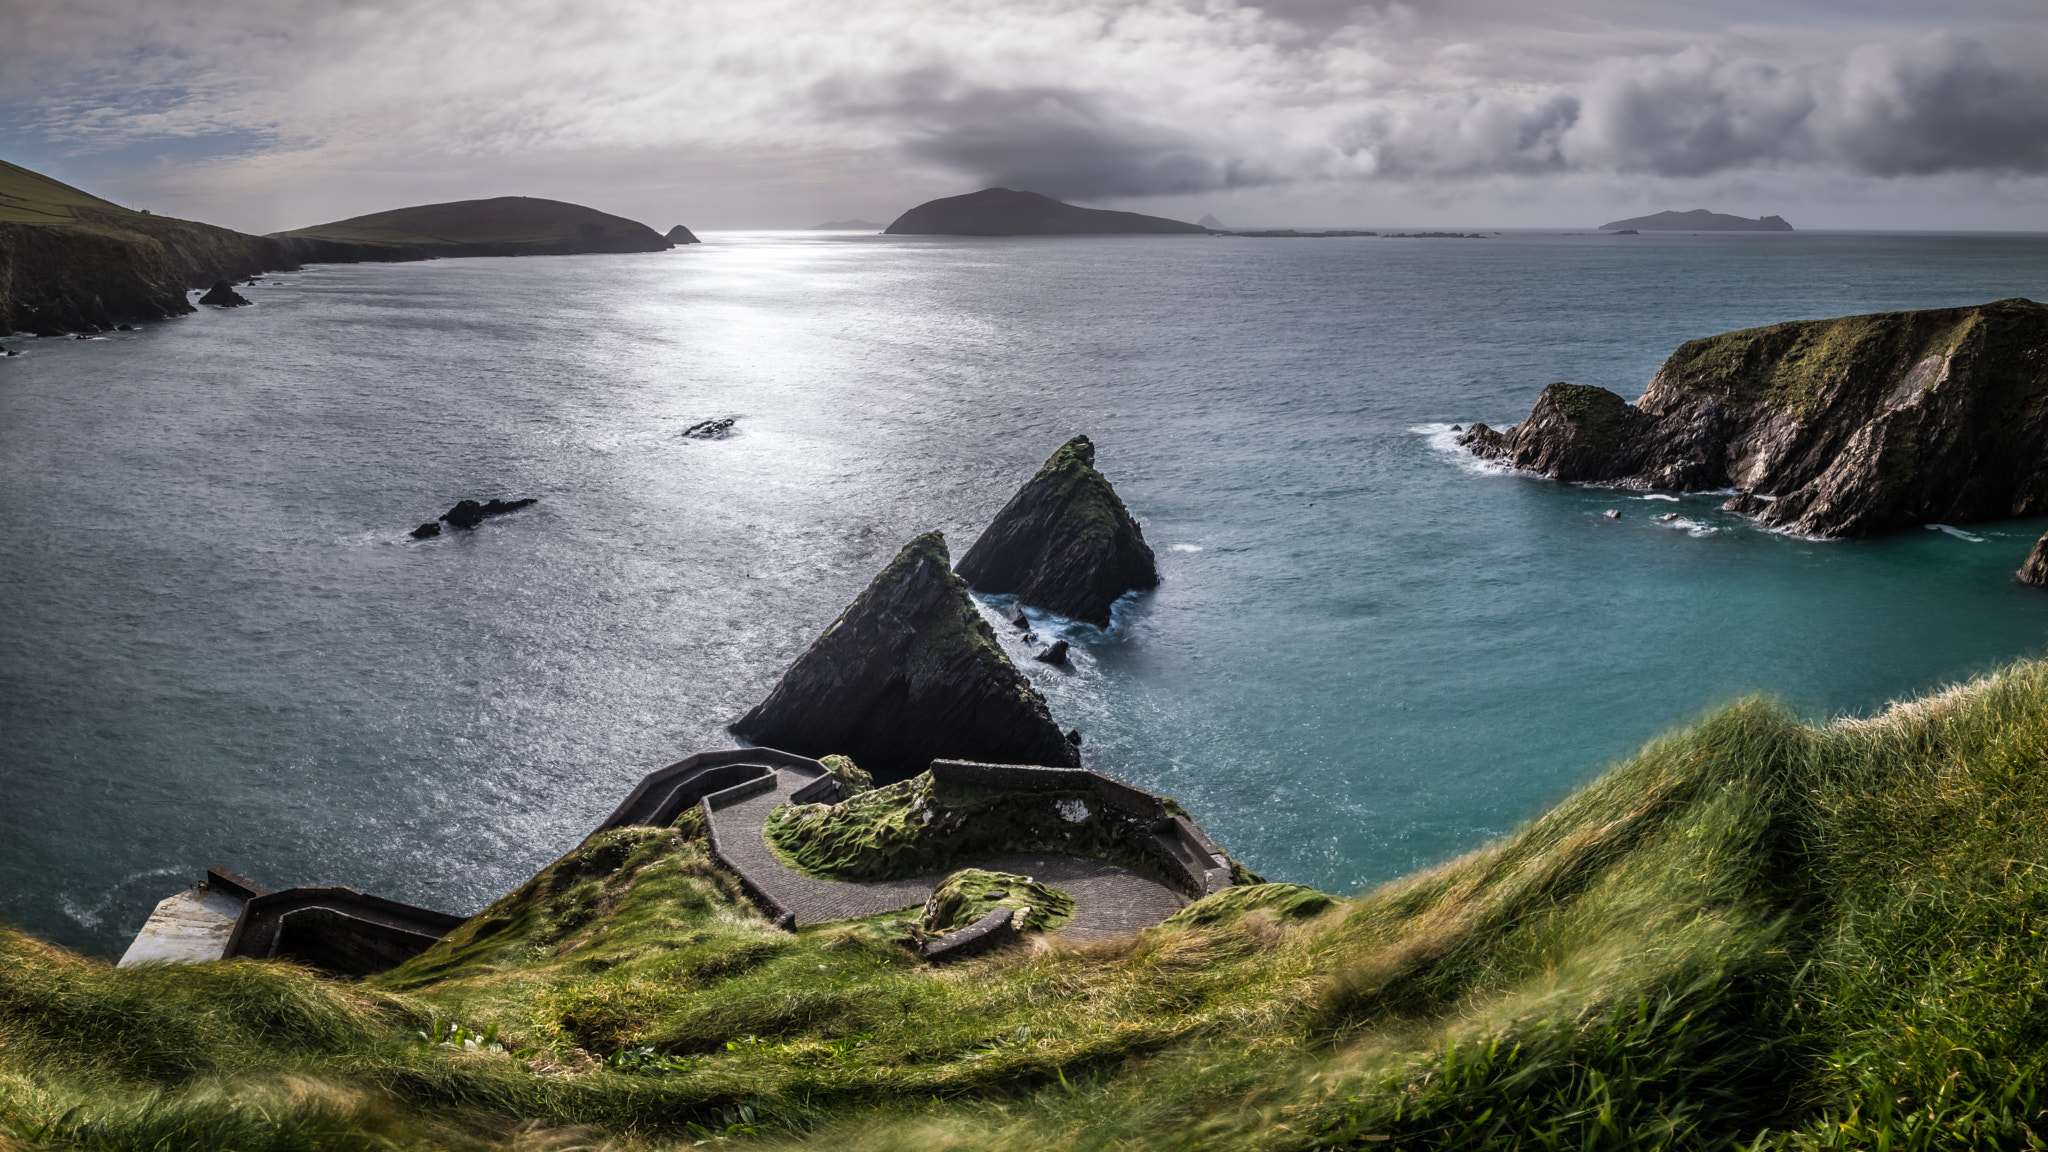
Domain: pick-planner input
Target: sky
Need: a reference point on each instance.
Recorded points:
(730, 114)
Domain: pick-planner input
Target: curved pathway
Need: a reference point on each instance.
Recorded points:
(1110, 903)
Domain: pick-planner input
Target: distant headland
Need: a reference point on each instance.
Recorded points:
(499, 226)
(1699, 220)
(73, 262)
(1003, 212)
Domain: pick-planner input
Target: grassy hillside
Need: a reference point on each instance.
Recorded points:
(31, 198)
(1753, 933)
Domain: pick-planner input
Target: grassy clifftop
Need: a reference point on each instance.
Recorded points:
(1753, 933)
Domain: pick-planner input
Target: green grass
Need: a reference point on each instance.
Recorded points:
(1754, 933)
(31, 198)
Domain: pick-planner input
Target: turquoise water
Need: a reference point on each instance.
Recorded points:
(219, 646)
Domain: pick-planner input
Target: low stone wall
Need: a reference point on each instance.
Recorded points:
(981, 936)
(336, 929)
(1190, 858)
(664, 793)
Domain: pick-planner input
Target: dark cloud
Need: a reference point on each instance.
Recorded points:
(1057, 141)
(1943, 104)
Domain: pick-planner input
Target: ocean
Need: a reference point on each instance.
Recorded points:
(219, 646)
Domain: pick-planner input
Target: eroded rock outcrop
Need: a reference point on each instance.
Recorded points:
(909, 673)
(223, 295)
(1064, 542)
(1843, 427)
(2035, 570)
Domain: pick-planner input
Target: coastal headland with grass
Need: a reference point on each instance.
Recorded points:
(914, 911)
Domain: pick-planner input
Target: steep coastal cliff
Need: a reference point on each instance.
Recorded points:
(1844, 427)
(71, 261)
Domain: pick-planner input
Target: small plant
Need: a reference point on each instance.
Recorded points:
(740, 1121)
(644, 1061)
(449, 1034)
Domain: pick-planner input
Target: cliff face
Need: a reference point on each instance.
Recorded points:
(1064, 542)
(1002, 212)
(103, 266)
(1842, 427)
(909, 673)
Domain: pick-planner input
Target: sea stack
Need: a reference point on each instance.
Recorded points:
(681, 235)
(2035, 570)
(1064, 542)
(223, 295)
(1846, 427)
(909, 673)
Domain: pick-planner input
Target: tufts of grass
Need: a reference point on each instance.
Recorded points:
(1752, 934)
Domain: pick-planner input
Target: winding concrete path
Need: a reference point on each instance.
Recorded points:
(1110, 903)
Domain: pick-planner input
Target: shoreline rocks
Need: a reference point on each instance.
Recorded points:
(1064, 542)
(467, 514)
(223, 295)
(2035, 570)
(909, 673)
(1843, 427)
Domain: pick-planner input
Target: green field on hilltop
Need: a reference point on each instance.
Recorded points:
(31, 198)
(1754, 933)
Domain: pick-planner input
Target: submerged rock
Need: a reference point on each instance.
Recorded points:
(469, 513)
(1064, 542)
(909, 673)
(1843, 427)
(713, 429)
(2035, 570)
(1054, 653)
(429, 529)
(223, 295)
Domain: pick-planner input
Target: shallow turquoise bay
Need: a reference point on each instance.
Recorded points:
(1367, 656)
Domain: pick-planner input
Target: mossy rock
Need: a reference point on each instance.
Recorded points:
(851, 776)
(921, 826)
(972, 893)
(1283, 901)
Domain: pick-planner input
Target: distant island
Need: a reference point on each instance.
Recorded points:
(500, 226)
(1699, 220)
(73, 262)
(854, 225)
(1002, 212)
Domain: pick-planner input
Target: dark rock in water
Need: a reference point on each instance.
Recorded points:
(1018, 620)
(223, 295)
(1667, 518)
(909, 673)
(430, 528)
(1628, 232)
(710, 429)
(1844, 427)
(681, 235)
(124, 328)
(1055, 653)
(2035, 570)
(1002, 212)
(469, 513)
(1064, 542)
(1457, 427)
(1612, 513)
(1074, 737)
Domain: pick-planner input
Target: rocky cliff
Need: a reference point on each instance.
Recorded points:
(909, 673)
(1842, 427)
(1064, 542)
(1002, 212)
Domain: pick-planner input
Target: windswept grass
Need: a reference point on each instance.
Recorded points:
(1754, 933)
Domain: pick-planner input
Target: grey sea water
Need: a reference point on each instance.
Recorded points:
(218, 645)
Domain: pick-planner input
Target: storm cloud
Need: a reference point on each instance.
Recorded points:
(306, 109)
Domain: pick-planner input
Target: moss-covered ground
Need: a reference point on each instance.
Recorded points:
(1754, 933)
(921, 826)
(971, 893)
